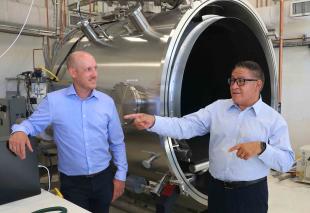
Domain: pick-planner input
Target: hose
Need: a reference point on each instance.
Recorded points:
(51, 209)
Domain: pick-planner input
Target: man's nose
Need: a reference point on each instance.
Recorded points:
(94, 72)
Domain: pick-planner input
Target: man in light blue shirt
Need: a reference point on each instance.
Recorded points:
(247, 138)
(88, 135)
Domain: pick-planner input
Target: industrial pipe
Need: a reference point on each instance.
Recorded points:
(280, 54)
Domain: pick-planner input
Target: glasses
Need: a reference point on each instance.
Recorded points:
(239, 81)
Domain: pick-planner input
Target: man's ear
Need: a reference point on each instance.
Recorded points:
(72, 72)
(260, 85)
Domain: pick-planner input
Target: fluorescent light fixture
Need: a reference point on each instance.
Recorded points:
(135, 39)
(85, 39)
(164, 38)
(73, 40)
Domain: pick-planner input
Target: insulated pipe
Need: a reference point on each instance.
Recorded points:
(91, 34)
(56, 16)
(140, 22)
(65, 14)
(47, 27)
(280, 54)
(89, 8)
(27, 31)
(61, 35)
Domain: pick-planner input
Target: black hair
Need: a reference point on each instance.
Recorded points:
(252, 67)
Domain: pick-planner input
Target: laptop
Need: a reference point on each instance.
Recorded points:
(18, 178)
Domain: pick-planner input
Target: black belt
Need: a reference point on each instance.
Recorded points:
(91, 175)
(98, 173)
(237, 184)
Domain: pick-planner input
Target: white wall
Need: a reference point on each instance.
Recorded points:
(296, 94)
(18, 59)
(296, 72)
(15, 11)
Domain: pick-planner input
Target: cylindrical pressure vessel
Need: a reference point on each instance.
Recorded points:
(172, 64)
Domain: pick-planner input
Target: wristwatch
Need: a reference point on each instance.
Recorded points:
(262, 147)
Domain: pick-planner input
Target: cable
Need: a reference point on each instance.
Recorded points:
(27, 85)
(52, 209)
(49, 72)
(48, 174)
(58, 193)
(70, 51)
(19, 31)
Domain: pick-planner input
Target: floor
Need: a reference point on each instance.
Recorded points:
(122, 205)
(115, 210)
(286, 196)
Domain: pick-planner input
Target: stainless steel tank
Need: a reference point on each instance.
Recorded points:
(172, 64)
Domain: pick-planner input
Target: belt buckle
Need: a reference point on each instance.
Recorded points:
(227, 185)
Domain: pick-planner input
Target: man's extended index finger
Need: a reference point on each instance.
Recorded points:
(131, 116)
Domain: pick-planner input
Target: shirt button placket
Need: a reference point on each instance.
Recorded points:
(84, 117)
(236, 138)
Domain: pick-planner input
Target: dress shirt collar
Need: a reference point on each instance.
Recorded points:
(255, 107)
(71, 91)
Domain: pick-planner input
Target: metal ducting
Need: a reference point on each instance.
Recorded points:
(177, 65)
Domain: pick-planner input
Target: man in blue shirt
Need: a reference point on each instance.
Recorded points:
(87, 132)
(247, 138)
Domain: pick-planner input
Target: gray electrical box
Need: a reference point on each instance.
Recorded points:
(11, 110)
(4, 118)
